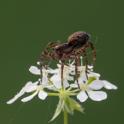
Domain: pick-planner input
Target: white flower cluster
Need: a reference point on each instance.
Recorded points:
(51, 83)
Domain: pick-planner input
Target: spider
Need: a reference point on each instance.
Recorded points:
(76, 46)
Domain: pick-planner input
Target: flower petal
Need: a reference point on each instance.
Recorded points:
(70, 78)
(74, 85)
(56, 81)
(34, 70)
(31, 87)
(28, 98)
(42, 95)
(96, 85)
(66, 84)
(45, 77)
(82, 79)
(15, 98)
(82, 96)
(109, 85)
(97, 95)
(22, 91)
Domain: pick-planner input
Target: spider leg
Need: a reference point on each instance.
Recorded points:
(46, 56)
(52, 44)
(86, 63)
(41, 63)
(62, 68)
(83, 51)
(48, 53)
(76, 71)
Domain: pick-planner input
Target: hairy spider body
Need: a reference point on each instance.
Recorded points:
(78, 39)
(76, 46)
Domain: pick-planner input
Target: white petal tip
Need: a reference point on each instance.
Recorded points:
(109, 85)
(34, 70)
(9, 102)
(25, 100)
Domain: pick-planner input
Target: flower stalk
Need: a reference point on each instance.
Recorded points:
(65, 117)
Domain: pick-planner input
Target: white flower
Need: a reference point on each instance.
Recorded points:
(106, 84)
(56, 78)
(89, 88)
(22, 92)
(36, 88)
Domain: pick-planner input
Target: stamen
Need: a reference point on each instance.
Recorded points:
(81, 58)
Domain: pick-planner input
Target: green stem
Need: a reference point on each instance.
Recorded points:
(65, 117)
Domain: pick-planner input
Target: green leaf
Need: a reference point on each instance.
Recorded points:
(91, 79)
(67, 106)
(58, 109)
(71, 105)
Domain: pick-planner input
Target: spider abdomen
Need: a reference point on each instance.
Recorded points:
(78, 39)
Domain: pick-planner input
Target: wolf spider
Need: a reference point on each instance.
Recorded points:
(76, 46)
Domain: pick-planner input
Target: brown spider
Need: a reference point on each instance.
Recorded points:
(76, 45)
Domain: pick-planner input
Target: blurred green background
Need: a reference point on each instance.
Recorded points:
(28, 25)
